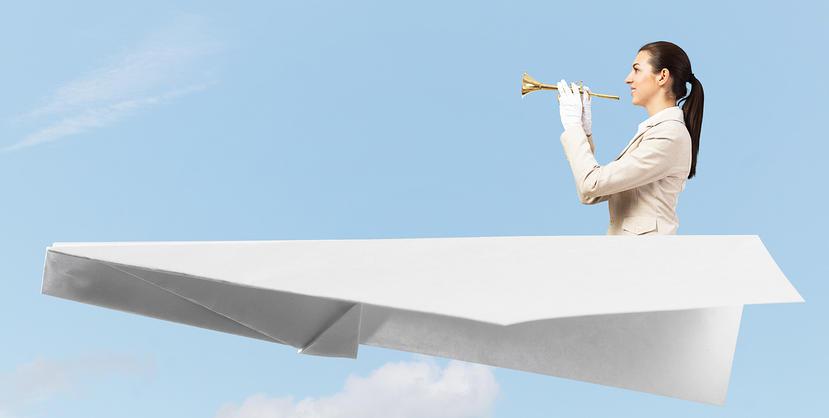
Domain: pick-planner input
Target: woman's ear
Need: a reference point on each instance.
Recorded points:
(663, 77)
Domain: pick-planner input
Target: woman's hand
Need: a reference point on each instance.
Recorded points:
(570, 105)
(587, 112)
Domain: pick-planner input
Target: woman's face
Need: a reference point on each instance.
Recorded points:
(644, 84)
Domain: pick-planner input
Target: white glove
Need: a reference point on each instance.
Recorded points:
(570, 105)
(587, 113)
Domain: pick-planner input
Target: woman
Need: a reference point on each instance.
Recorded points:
(643, 183)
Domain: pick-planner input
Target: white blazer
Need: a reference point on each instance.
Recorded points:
(643, 183)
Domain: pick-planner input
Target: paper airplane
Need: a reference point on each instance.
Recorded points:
(658, 314)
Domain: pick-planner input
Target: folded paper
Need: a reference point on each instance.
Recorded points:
(658, 314)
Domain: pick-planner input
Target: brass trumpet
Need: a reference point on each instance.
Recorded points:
(529, 85)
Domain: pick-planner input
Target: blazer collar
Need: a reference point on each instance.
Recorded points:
(668, 113)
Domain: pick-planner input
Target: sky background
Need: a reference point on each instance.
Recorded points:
(336, 120)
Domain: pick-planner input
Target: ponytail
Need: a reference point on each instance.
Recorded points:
(692, 109)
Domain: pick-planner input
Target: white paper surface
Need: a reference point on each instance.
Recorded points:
(652, 313)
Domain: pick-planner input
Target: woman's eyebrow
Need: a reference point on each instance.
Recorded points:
(635, 64)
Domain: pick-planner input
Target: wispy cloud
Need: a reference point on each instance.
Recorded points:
(98, 117)
(42, 380)
(418, 389)
(165, 65)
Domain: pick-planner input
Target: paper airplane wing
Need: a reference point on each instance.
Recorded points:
(654, 313)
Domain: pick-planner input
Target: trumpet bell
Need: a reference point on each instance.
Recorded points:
(529, 84)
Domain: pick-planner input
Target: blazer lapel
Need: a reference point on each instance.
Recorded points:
(638, 135)
(671, 113)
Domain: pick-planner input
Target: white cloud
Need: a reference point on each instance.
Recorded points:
(163, 66)
(42, 380)
(418, 389)
(97, 117)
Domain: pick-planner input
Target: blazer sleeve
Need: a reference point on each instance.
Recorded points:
(652, 160)
(593, 200)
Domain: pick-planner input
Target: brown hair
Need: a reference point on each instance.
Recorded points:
(665, 54)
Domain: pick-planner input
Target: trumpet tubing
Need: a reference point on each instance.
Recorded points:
(529, 85)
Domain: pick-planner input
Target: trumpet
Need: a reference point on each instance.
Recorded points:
(529, 85)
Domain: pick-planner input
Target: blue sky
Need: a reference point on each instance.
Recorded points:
(315, 120)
